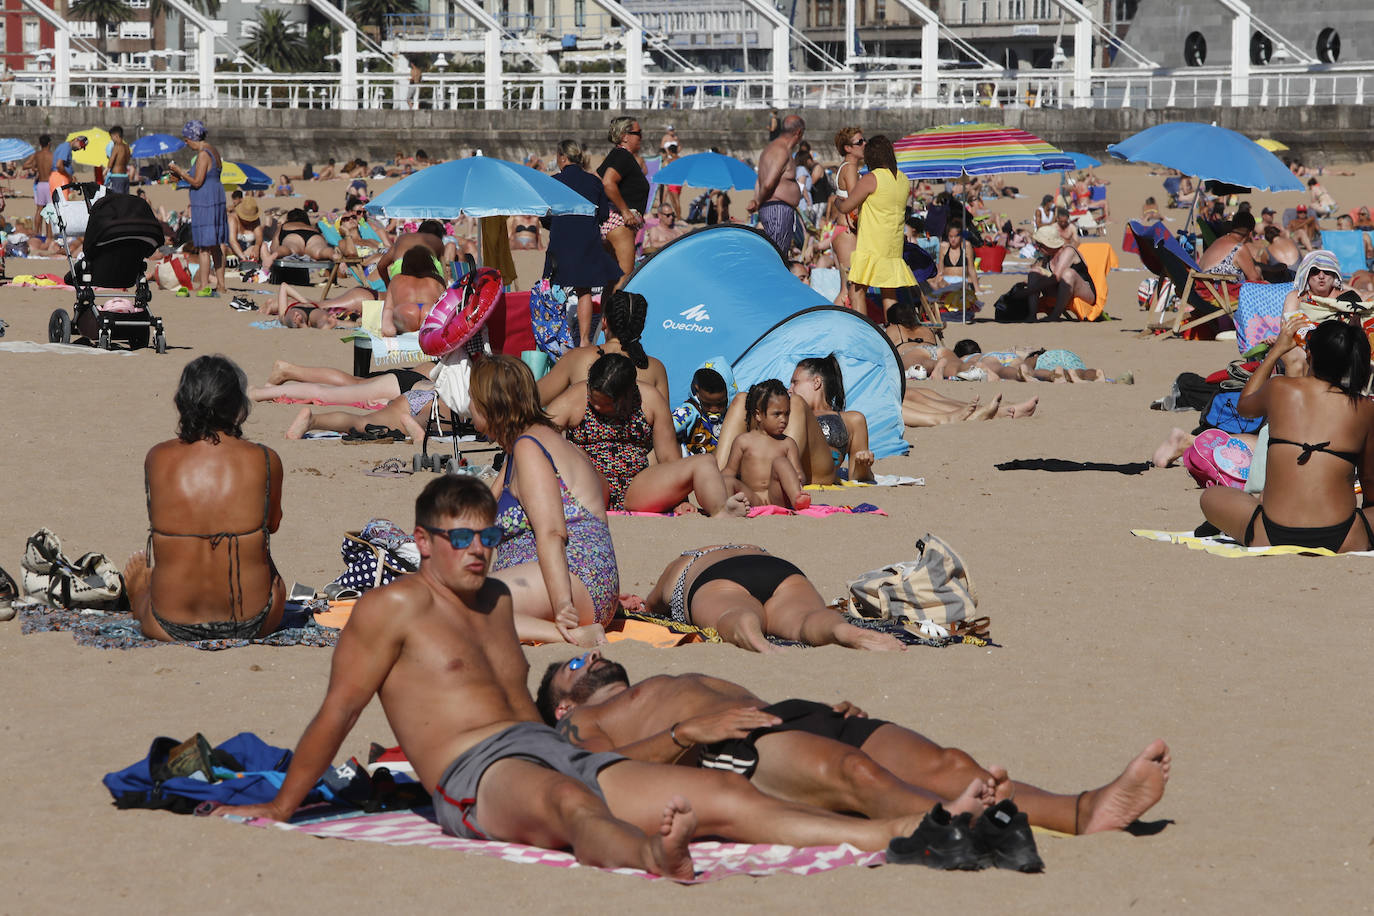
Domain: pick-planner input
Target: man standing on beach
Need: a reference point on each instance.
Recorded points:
(439, 649)
(117, 169)
(41, 163)
(64, 165)
(777, 194)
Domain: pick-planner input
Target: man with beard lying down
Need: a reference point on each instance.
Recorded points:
(832, 757)
(440, 651)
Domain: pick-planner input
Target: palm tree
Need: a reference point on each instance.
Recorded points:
(374, 12)
(276, 42)
(103, 13)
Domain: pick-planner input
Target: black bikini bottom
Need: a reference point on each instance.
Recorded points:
(1331, 537)
(759, 575)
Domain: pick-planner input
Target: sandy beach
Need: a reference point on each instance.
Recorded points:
(1249, 668)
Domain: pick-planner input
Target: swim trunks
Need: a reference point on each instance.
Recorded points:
(739, 755)
(780, 222)
(455, 795)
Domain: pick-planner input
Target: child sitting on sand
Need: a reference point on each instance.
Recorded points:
(698, 421)
(764, 460)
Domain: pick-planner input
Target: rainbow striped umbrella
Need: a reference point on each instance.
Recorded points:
(967, 148)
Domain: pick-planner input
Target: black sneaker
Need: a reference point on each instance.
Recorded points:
(940, 841)
(1003, 838)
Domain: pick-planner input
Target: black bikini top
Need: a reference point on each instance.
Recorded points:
(1308, 449)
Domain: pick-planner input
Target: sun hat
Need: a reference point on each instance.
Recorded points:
(1049, 237)
(193, 130)
(247, 209)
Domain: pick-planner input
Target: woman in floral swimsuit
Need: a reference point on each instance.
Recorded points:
(617, 420)
(556, 555)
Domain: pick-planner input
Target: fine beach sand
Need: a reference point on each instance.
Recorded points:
(1248, 668)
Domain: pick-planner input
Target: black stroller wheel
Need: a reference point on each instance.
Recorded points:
(103, 340)
(60, 327)
(160, 342)
(140, 338)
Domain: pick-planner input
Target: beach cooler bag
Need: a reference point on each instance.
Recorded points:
(935, 587)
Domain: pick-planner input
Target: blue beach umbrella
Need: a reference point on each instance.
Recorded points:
(12, 150)
(255, 179)
(1082, 160)
(714, 171)
(1206, 151)
(478, 186)
(153, 145)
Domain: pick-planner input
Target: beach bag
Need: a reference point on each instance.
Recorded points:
(1014, 305)
(1217, 459)
(1221, 414)
(549, 319)
(376, 555)
(934, 588)
(173, 273)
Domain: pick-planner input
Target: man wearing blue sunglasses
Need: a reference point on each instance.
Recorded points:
(439, 649)
(814, 753)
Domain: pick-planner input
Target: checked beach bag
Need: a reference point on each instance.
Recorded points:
(935, 587)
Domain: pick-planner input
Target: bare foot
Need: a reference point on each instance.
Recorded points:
(593, 634)
(1172, 448)
(1002, 786)
(965, 414)
(802, 501)
(685, 508)
(278, 374)
(737, 506)
(871, 640)
(1061, 376)
(1021, 411)
(668, 852)
(137, 576)
(1116, 805)
(988, 411)
(1027, 374)
(299, 426)
(977, 798)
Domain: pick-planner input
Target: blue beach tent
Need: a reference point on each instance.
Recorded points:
(725, 291)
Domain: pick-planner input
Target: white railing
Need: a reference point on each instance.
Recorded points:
(1286, 86)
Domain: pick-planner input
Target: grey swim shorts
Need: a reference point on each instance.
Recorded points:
(455, 796)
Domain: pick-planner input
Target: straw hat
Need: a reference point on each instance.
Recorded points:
(247, 210)
(1049, 237)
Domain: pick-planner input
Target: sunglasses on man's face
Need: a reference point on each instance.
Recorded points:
(860, 141)
(575, 663)
(460, 538)
(637, 133)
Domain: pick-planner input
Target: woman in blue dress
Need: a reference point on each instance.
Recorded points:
(209, 213)
(576, 258)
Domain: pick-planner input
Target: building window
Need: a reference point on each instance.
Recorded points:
(1195, 49)
(1016, 9)
(963, 12)
(984, 17)
(31, 34)
(580, 13)
(1125, 10)
(137, 4)
(880, 10)
(136, 30)
(825, 12)
(248, 28)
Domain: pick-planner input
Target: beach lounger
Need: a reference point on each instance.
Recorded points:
(1348, 245)
(1258, 313)
(354, 266)
(1212, 294)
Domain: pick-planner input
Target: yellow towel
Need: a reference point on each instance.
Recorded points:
(1220, 548)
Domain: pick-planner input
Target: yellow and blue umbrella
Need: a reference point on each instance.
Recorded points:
(969, 148)
(97, 151)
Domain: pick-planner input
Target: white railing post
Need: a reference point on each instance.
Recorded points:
(930, 64)
(348, 70)
(205, 57)
(782, 65)
(1240, 58)
(634, 67)
(491, 82)
(62, 69)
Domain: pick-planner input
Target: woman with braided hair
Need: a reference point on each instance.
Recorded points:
(624, 314)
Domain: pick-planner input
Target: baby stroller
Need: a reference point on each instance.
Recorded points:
(121, 231)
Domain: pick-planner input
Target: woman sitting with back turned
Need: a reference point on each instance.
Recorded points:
(1322, 426)
(625, 313)
(214, 500)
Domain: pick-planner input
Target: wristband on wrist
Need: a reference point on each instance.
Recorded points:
(672, 733)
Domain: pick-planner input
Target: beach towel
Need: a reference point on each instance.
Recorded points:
(879, 480)
(1258, 312)
(29, 346)
(1100, 258)
(1223, 546)
(1063, 464)
(713, 860)
(120, 631)
(40, 281)
(815, 511)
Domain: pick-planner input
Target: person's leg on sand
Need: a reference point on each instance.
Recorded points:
(395, 415)
(796, 611)
(520, 801)
(735, 614)
(919, 761)
(785, 487)
(283, 372)
(534, 611)
(1231, 510)
(662, 487)
(382, 388)
(727, 806)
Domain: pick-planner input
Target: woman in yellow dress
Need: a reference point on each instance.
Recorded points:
(877, 259)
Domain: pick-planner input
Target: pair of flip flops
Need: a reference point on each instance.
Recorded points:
(374, 432)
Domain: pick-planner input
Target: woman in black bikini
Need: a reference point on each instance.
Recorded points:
(524, 232)
(747, 595)
(297, 235)
(214, 500)
(956, 260)
(1060, 275)
(1321, 436)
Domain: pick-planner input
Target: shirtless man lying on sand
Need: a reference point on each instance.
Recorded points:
(439, 649)
(832, 757)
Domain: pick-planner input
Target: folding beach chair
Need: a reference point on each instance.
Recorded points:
(1348, 247)
(1192, 282)
(1171, 186)
(354, 266)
